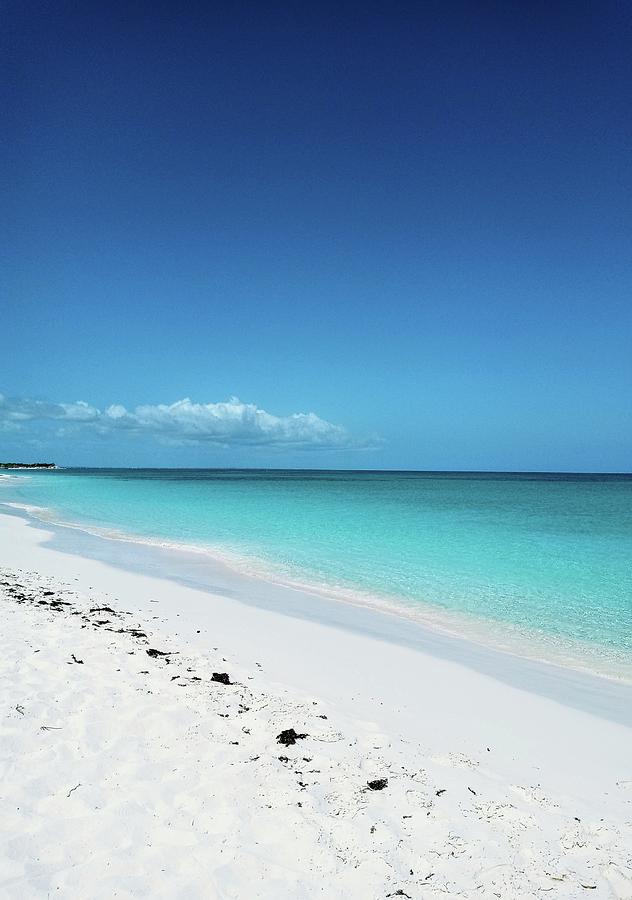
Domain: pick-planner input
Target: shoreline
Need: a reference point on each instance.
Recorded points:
(561, 679)
(491, 790)
(540, 647)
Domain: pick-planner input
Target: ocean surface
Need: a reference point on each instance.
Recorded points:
(537, 563)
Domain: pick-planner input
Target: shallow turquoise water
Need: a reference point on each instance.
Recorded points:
(542, 553)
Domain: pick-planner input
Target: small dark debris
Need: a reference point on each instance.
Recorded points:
(221, 677)
(103, 609)
(440, 791)
(156, 654)
(378, 784)
(289, 737)
(235, 743)
(322, 717)
(472, 791)
(20, 709)
(399, 893)
(284, 759)
(75, 660)
(134, 632)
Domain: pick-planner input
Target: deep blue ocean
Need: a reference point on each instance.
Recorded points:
(546, 558)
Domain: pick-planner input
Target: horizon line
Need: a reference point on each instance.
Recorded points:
(403, 471)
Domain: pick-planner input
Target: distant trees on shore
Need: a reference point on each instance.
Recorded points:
(19, 465)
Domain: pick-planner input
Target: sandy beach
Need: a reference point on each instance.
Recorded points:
(316, 452)
(161, 741)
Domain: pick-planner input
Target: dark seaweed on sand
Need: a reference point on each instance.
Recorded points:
(289, 737)
(378, 784)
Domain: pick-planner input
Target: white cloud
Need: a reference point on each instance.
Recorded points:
(23, 410)
(225, 423)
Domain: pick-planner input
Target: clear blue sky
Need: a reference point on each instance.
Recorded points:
(413, 220)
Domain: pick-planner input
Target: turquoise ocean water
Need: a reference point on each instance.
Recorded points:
(543, 558)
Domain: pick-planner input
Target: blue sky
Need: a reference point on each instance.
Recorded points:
(412, 221)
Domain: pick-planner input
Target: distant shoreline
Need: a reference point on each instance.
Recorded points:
(12, 465)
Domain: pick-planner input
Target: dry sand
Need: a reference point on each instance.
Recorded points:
(129, 774)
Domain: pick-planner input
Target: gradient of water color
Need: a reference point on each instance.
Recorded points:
(542, 554)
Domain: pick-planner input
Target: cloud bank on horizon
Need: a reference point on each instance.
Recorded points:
(229, 423)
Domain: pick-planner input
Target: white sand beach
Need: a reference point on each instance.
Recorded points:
(130, 773)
